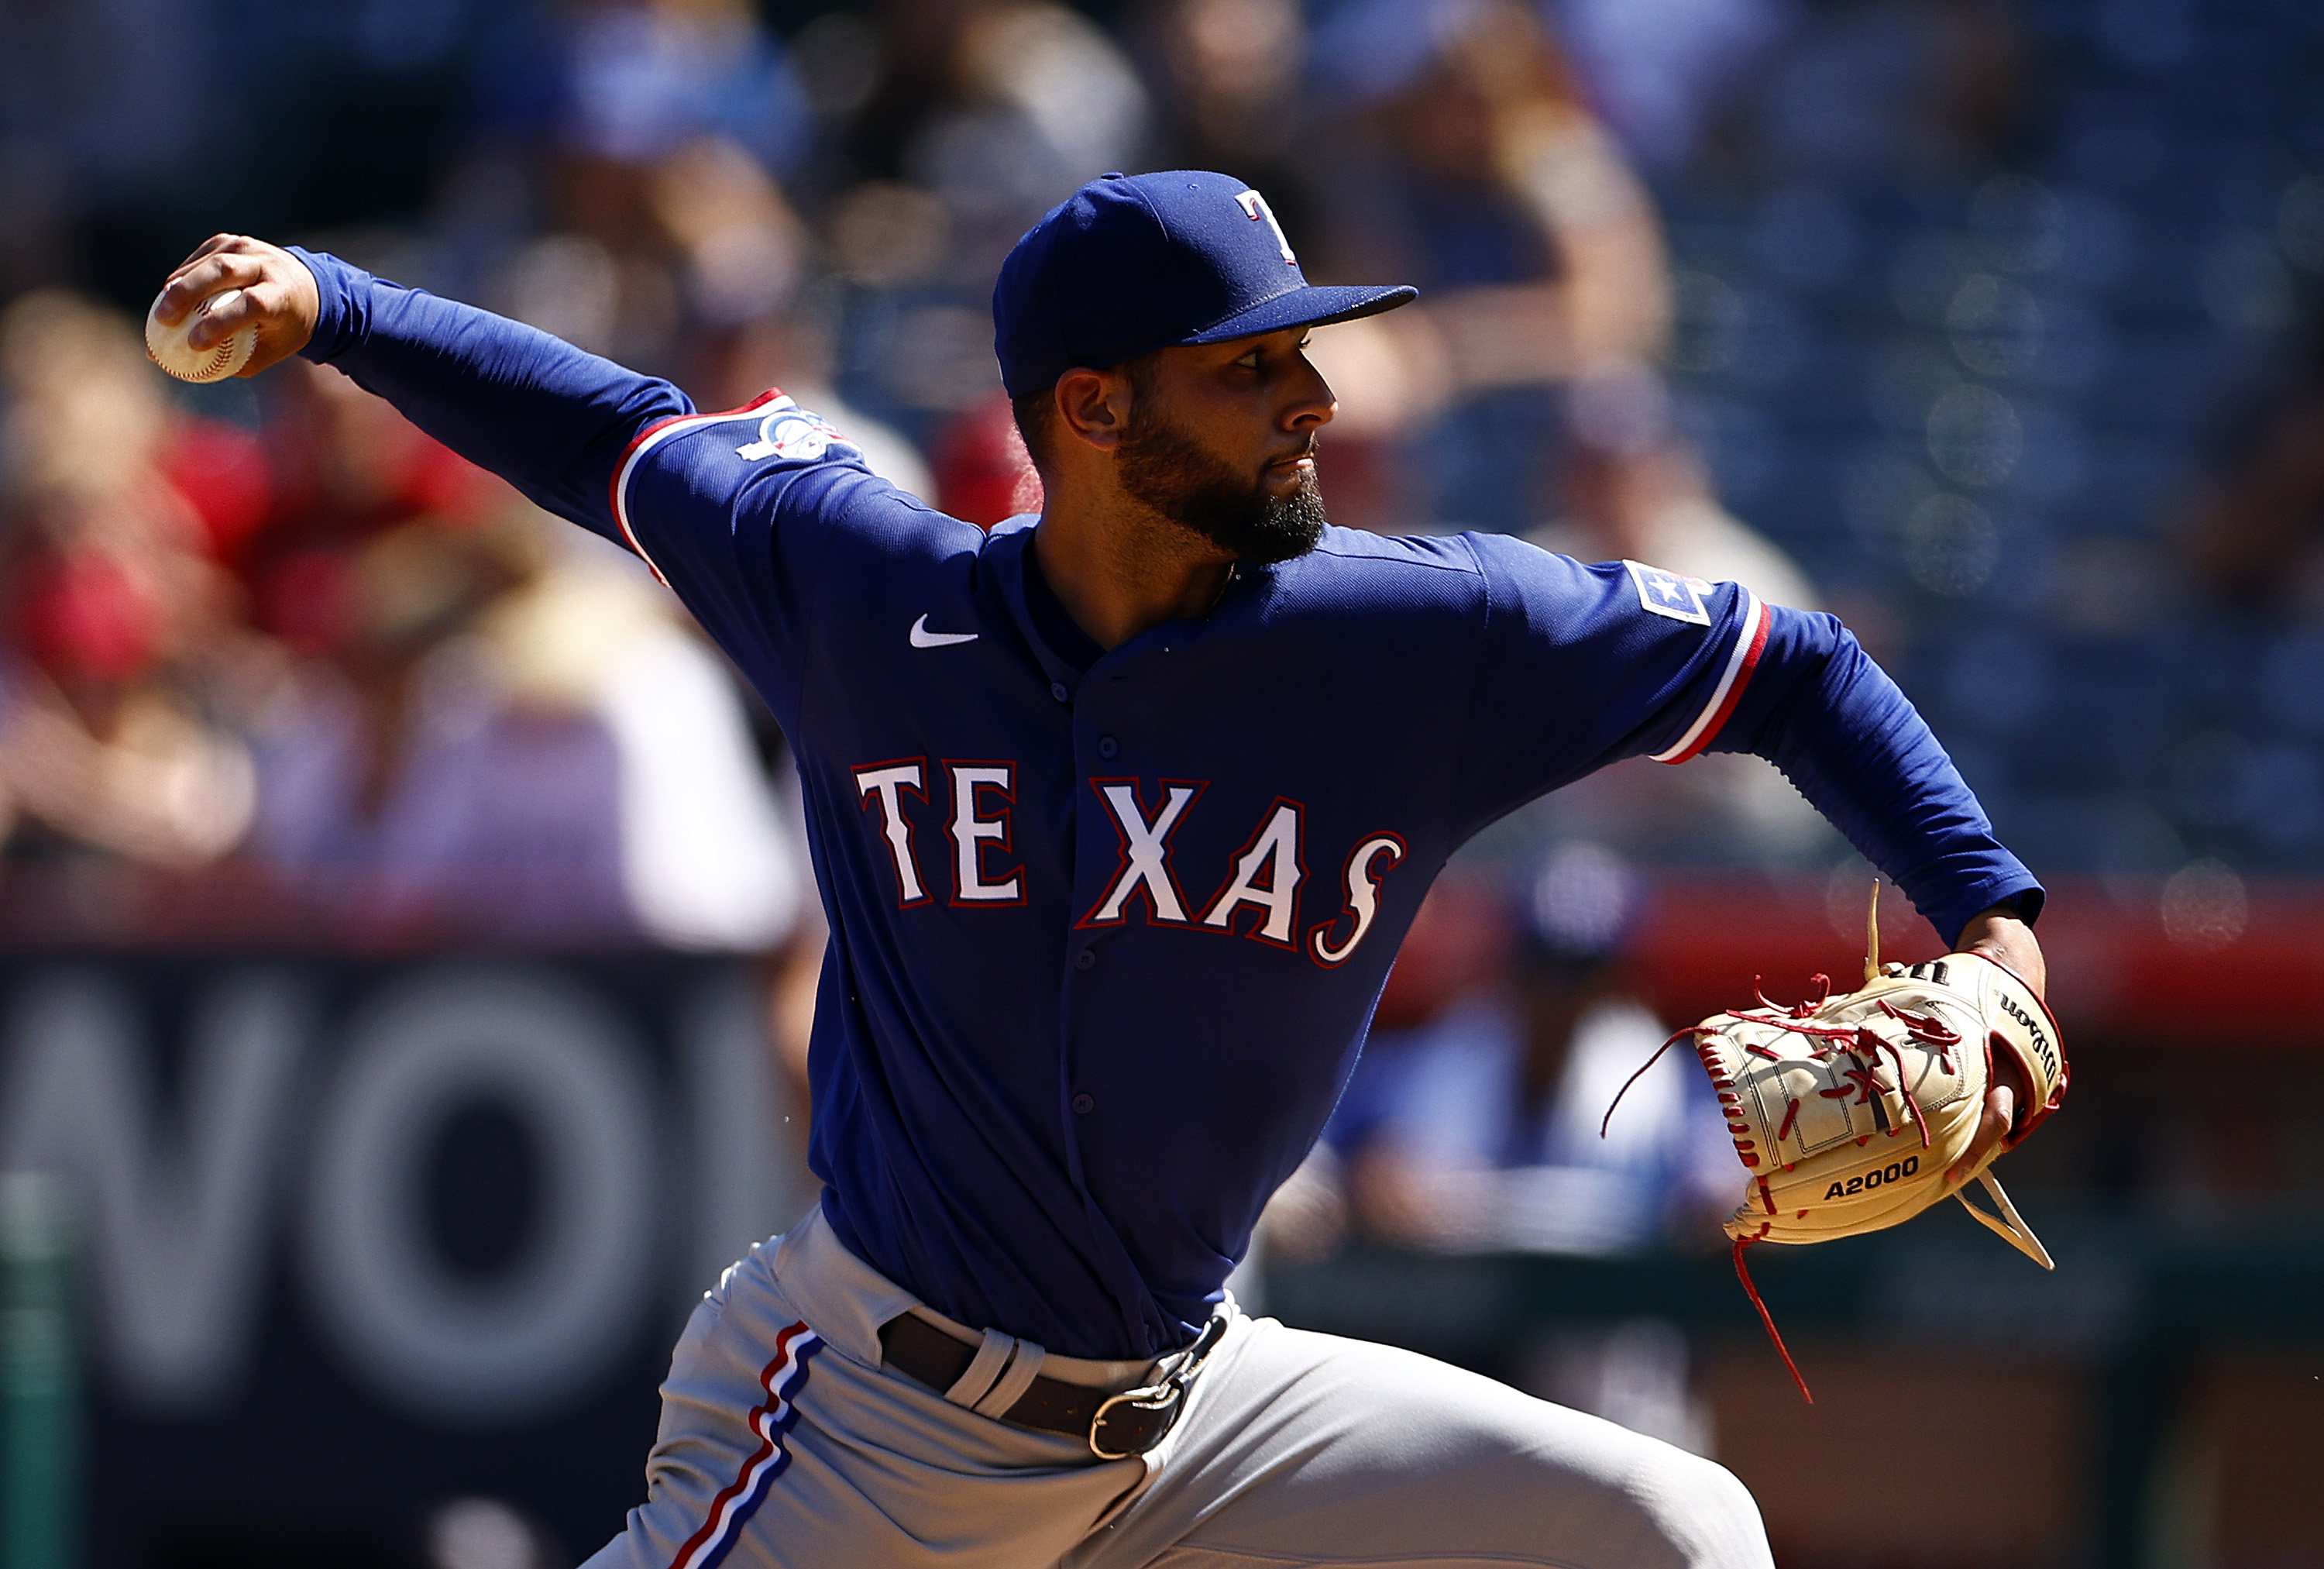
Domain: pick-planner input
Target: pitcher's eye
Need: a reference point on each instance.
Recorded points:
(1249, 362)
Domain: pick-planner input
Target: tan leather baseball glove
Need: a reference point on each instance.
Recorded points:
(1847, 1111)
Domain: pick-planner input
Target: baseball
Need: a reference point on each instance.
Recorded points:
(168, 347)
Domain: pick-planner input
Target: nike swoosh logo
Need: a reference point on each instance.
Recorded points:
(922, 638)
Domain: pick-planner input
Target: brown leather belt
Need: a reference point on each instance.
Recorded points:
(1115, 1425)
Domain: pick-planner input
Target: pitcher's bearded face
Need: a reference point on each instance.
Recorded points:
(1166, 467)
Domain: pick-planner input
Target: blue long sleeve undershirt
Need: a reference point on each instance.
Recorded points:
(1854, 746)
(554, 421)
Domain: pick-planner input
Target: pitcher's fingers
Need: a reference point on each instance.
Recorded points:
(260, 303)
(1992, 1128)
(215, 242)
(198, 280)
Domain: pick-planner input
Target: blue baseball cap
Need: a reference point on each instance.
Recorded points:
(1133, 263)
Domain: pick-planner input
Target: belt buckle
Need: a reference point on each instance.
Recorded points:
(1164, 1396)
(1161, 1397)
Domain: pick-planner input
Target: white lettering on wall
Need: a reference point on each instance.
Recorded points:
(461, 1350)
(171, 1211)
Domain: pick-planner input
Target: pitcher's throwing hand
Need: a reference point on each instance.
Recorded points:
(277, 296)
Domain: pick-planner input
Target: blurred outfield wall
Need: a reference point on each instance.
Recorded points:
(355, 1238)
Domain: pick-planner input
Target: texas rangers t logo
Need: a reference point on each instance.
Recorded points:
(1255, 207)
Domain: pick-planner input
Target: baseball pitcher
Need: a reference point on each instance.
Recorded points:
(1118, 814)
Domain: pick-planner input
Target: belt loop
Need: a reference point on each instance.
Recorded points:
(1013, 1383)
(976, 1381)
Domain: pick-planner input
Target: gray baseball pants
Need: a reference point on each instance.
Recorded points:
(785, 1443)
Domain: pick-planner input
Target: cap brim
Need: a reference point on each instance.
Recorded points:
(1313, 305)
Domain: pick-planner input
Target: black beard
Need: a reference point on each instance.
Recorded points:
(1164, 466)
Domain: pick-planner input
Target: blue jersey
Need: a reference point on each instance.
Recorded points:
(1108, 926)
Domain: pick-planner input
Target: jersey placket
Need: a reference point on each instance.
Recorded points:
(1113, 717)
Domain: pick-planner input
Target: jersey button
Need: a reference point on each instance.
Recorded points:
(1084, 1105)
(1107, 746)
(1086, 959)
(1057, 690)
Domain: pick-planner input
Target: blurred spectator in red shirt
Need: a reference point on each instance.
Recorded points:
(345, 468)
(121, 655)
(500, 730)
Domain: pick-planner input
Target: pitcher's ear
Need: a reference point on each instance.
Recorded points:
(1094, 407)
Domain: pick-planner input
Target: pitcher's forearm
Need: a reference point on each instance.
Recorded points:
(1855, 746)
(548, 418)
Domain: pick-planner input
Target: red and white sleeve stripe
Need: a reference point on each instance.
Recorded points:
(1750, 642)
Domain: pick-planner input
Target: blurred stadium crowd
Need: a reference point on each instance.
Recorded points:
(1995, 321)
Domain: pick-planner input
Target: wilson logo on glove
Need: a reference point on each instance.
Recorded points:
(1818, 1096)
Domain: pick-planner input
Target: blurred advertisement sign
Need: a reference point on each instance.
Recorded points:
(356, 1239)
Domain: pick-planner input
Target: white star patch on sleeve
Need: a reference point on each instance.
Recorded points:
(1666, 594)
